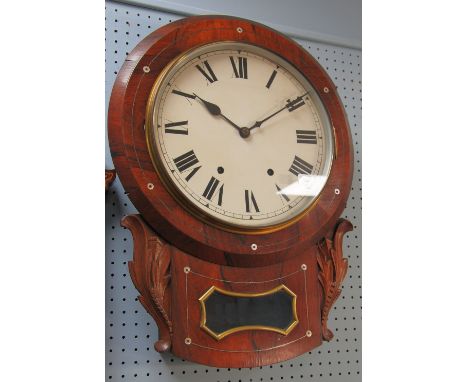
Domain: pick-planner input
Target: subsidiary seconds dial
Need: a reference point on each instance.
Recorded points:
(239, 136)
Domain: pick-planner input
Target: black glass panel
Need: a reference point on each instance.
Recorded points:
(224, 312)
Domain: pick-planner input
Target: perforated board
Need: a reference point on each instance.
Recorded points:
(130, 330)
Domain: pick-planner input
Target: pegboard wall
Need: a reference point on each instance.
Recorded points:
(130, 330)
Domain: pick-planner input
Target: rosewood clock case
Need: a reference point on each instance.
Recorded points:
(182, 265)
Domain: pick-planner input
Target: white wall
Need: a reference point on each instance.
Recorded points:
(336, 22)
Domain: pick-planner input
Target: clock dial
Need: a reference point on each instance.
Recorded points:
(239, 136)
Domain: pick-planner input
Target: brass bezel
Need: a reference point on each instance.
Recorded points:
(220, 336)
(183, 200)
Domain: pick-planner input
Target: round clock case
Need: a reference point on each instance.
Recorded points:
(162, 208)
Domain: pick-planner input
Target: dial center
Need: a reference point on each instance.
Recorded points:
(244, 132)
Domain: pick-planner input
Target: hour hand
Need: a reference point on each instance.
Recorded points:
(215, 110)
(211, 107)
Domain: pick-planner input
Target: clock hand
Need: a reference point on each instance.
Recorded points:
(294, 104)
(215, 110)
(211, 107)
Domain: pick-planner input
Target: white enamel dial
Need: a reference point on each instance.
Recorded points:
(239, 135)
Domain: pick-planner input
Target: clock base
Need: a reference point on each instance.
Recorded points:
(227, 316)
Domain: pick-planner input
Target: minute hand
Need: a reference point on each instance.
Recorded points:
(291, 105)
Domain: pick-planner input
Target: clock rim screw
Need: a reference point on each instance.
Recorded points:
(239, 30)
(254, 247)
(309, 333)
(337, 191)
(146, 69)
(326, 90)
(304, 267)
(188, 341)
(150, 186)
(186, 269)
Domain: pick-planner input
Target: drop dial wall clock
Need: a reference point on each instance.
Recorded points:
(232, 143)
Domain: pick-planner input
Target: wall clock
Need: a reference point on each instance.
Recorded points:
(232, 143)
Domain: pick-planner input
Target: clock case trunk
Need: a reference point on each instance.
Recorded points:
(171, 283)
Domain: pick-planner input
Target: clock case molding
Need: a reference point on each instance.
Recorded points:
(177, 255)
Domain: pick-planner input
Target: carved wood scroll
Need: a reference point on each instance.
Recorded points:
(332, 270)
(110, 177)
(150, 272)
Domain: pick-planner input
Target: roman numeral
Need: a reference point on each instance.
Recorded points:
(211, 189)
(249, 197)
(272, 77)
(210, 76)
(176, 127)
(300, 166)
(183, 94)
(185, 161)
(281, 194)
(295, 104)
(307, 136)
(192, 173)
(240, 70)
